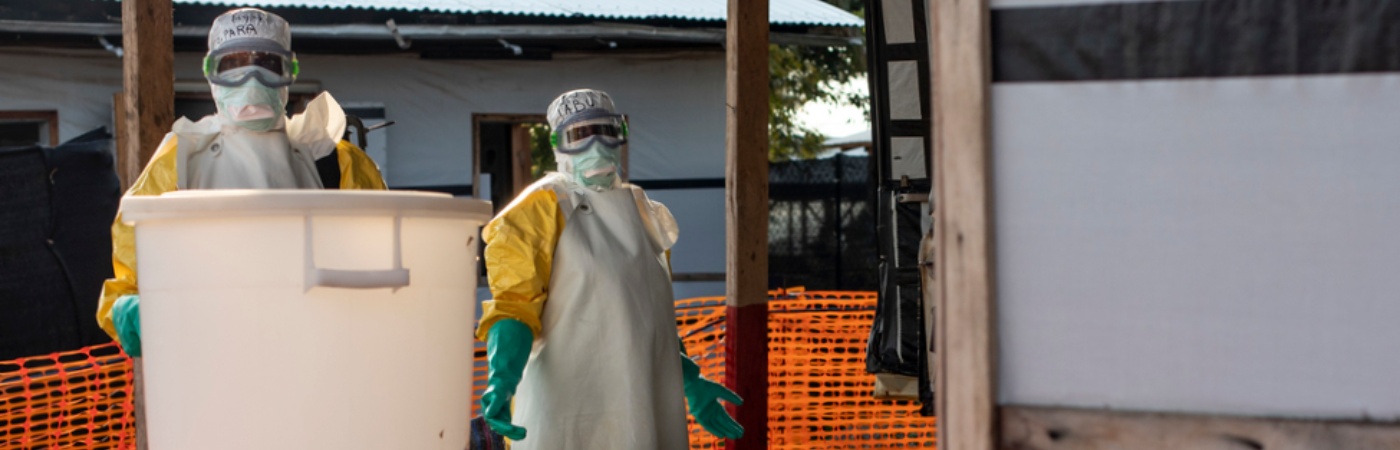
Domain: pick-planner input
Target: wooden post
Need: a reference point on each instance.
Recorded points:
(148, 44)
(961, 77)
(746, 218)
(149, 78)
(119, 134)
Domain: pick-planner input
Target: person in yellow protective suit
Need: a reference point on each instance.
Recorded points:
(581, 332)
(248, 144)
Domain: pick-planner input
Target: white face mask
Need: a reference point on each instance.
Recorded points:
(252, 105)
(596, 168)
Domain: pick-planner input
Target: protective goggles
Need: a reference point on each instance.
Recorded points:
(277, 69)
(580, 135)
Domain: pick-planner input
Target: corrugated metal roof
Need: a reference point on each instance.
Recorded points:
(785, 12)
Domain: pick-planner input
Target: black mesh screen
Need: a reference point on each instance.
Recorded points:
(821, 224)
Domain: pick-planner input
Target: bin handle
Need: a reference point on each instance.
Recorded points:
(394, 278)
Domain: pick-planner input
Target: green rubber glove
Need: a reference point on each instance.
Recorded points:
(126, 317)
(507, 349)
(703, 396)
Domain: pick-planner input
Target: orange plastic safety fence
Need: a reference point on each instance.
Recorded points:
(478, 377)
(819, 395)
(78, 399)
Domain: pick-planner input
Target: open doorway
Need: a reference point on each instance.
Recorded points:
(511, 151)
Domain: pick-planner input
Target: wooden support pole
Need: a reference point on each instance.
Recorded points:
(746, 218)
(962, 144)
(149, 79)
(148, 98)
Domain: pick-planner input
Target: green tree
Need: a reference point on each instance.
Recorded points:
(802, 75)
(541, 152)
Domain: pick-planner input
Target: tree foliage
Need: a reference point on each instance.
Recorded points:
(802, 75)
(541, 152)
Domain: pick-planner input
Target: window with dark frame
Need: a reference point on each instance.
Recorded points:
(23, 128)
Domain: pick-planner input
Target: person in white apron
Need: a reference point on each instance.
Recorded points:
(581, 332)
(248, 144)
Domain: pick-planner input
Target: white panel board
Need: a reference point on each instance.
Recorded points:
(907, 158)
(905, 100)
(899, 21)
(1222, 246)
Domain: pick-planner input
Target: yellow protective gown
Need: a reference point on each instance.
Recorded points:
(520, 258)
(161, 175)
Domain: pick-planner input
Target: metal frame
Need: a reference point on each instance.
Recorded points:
(895, 195)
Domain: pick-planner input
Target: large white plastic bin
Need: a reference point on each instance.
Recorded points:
(307, 319)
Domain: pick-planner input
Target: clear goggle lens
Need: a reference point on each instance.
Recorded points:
(276, 69)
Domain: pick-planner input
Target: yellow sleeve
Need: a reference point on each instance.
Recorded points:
(357, 170)
(520, 259)
(159, 176)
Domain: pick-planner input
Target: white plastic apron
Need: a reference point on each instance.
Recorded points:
(217, 154)
(605, 373)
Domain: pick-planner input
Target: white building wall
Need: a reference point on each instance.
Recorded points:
(78, 84)
(675, 103)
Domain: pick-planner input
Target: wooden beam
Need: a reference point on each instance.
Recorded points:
(119, 136)
(1037, 428)
(746, 218)
(149, 79)
(148, 101)
(930, 267)
(967, 337)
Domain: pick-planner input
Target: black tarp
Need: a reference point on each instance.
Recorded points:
(55, 243)
(1194, 39)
